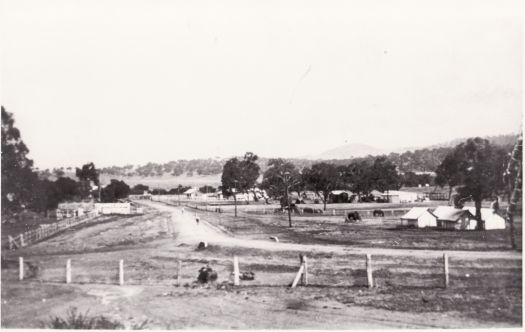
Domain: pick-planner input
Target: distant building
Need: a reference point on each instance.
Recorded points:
(376, 194)
(396, 196)
(419, 217)
(192, 193)
(448, 217)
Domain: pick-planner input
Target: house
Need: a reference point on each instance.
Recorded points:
(396, 196)
(491, 219)
(73, 209)
(419, 217)
(192, 193)
(448, 217)
(113, 208)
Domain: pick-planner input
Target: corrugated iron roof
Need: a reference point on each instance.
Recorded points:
(449, 213)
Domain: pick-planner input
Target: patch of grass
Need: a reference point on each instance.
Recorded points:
(78, 321)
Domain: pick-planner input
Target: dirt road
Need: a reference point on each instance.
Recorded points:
(191, 232)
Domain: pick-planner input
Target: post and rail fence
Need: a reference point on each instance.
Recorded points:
(46, 230)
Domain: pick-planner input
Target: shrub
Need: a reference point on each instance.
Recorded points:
(76, 320)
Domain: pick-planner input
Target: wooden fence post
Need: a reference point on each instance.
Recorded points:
(333, 212)
(304, 278)
(236, 281)
(179, 271)
(68, 271)
(369, 276)
(445, 268)
(20, 268)
(22, 244)
(11, 240)
(298, 276)
(121, 272)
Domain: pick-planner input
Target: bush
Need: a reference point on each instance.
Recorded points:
(76, 320)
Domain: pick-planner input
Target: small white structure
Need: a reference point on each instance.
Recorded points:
(376, 194)
(419, 217)
(448, 217)
(491, 219)
(192, 193)
(113, 208)
(396, 196)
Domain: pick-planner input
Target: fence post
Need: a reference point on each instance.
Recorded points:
(333, 212)
(445, 268)
(121, 272)
(20, 268)
(68, 271)
(369, 276)
(304, 278)
(236, 281)
(22, 244)
(179, 271)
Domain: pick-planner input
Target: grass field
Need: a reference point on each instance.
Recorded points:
(483, 292)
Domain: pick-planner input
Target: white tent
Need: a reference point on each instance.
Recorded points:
(419, 217)
(491, 219)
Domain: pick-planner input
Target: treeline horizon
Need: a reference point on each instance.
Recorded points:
(420, 160)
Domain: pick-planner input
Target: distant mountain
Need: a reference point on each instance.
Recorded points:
(357, 150)
(499, 140)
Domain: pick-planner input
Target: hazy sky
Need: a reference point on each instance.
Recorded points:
(119, 82)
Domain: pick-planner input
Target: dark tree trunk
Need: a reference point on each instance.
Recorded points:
(235, 202)
(255, 199)
(480, 223)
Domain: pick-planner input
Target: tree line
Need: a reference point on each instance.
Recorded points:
(475, 169)
(418, 160)
(23, 187)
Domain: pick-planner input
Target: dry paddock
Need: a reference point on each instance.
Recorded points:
(145, 266)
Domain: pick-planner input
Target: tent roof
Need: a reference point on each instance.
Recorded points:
(450, 213)
(486, 213)
(416, 212)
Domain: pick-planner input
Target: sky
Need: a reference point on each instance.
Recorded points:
(131, 82)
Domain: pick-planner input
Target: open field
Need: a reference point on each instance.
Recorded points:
(485, 286)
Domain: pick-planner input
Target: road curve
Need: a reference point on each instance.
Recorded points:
(189, 231)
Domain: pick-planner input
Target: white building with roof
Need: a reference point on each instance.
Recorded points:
(419, 217)
(491, 219)
(397, 196)
(448, 217)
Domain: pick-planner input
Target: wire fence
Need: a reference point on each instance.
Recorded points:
(352, 271)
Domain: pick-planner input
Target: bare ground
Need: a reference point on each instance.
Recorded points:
(485, 285)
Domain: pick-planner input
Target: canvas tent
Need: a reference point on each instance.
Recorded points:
(491, 219)
(448, 217)
(419, 217)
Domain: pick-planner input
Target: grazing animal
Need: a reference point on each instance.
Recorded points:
(353, 217)
(378, 213)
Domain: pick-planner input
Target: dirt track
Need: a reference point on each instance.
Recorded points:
(151, 245)
(189, 231)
